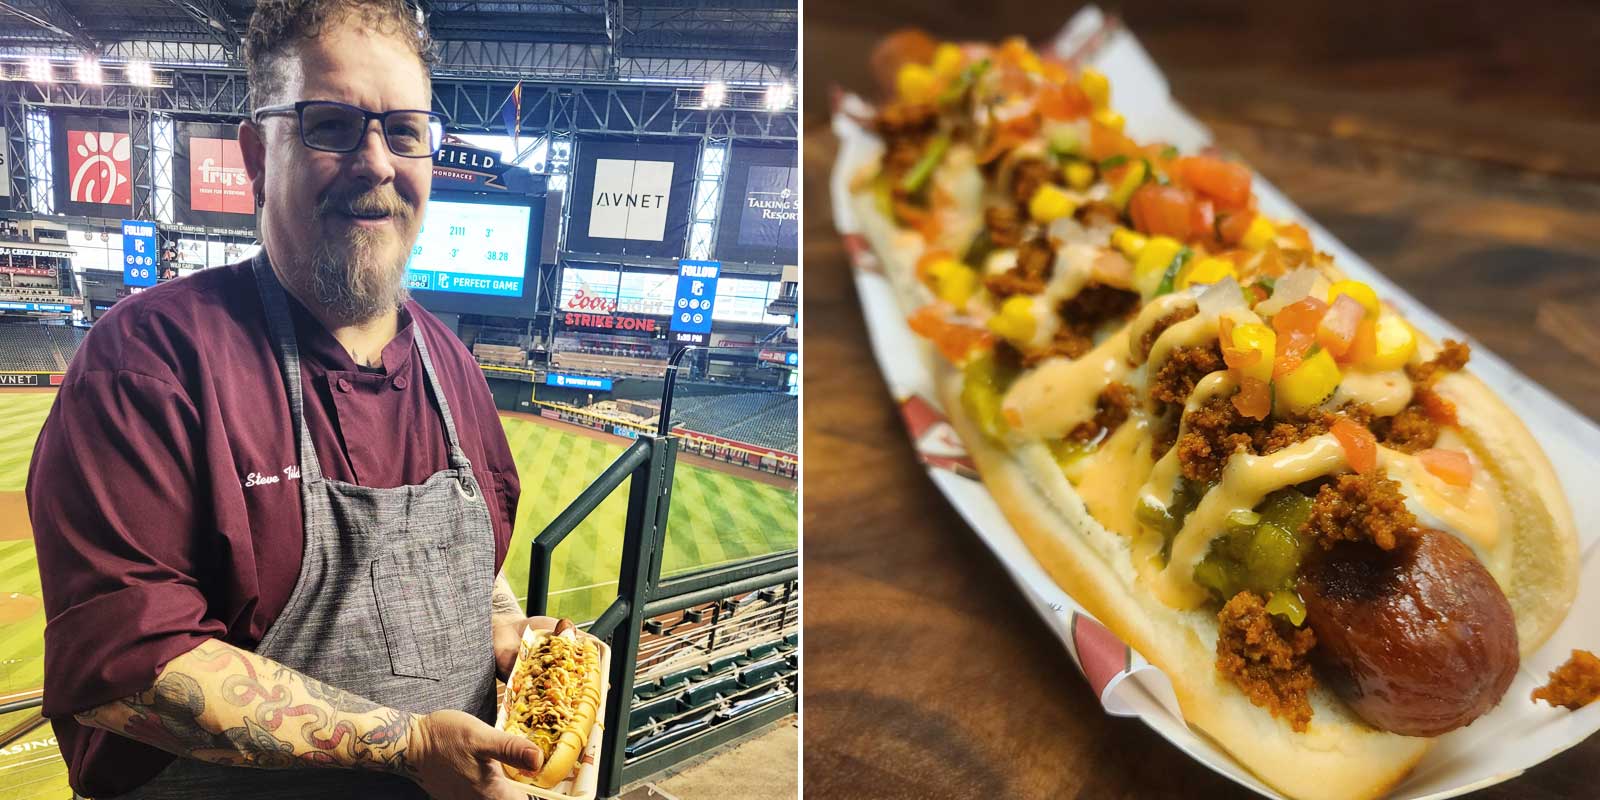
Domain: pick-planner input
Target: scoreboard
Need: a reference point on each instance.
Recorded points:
(471, 248)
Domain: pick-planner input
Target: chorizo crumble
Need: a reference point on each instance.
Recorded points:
(1110, 411)
(1148, 339)
(1177, 377)
(1574, 684)
(1216, 430)
(1356, 507)
(1451, 358)
(1035, 262)
(1266, 657)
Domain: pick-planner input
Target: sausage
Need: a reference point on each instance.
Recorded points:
(563, 625)
(1418, 640)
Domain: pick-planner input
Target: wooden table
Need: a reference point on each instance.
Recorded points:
(1457, 150)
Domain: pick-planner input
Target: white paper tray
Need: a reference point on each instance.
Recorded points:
(1499, 746)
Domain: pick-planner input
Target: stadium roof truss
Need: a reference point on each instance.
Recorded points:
(586, 67)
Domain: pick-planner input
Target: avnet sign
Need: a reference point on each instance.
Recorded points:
(630, 199)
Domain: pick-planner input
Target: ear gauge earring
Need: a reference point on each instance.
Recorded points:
(260, 200)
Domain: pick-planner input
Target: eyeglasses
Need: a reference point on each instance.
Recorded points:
(339, 127)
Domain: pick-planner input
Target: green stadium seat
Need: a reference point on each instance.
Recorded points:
(763, 670)
(711, 689)
(720, 665)
(672, 679)
(644, 713)
(763, 650)
(791, 641)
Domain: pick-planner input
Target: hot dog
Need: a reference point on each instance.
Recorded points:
(555, 695)
(1331, 536)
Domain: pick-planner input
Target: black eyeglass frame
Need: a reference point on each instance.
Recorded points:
(298, 109)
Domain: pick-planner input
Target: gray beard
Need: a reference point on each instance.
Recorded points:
(349, 284)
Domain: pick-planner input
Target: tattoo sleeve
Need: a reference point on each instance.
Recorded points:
(503, 601)
(219, 704)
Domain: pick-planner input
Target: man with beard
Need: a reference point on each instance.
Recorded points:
(271, 499)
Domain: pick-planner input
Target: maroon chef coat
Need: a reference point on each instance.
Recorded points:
(164, 490)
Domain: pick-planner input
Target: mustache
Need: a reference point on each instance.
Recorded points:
(354, 201)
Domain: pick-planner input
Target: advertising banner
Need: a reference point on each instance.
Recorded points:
(209, 182)
(609, 322)
(590, 291)
(5, 164)
(761, 206)
(140, 260)
(28, 305)
(693, 305)
(31, 378)
(461, 166)
(93, 165)
(577, 381)
(632, 198)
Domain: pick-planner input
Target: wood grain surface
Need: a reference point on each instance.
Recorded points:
(1455, 146)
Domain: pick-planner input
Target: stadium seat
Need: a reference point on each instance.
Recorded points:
(763, 670)
(763, 650)
(701, 694)
(643, 714)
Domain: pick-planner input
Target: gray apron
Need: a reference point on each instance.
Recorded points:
(392, 603)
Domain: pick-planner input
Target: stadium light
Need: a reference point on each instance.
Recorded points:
(715, 95)
(779, 96)
(139, 73)
(39, 71)
(88, 70)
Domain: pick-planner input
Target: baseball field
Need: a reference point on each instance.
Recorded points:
(717, 516)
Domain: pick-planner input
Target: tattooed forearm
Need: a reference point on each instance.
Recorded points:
(223, 705)
(504, 601)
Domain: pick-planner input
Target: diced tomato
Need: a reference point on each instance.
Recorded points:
(1338, 326)
(1062, 101)
(955, 341)
(1007, 135)
(1438, 408)
(1161, 211)
(1296, 234)
(1105, 143)
(1296, 326)
(1360, 446)
(1451, 466)
(1202, 219)
(1256, 293)
(1254, 399)
(1365, 345)
(1232, 225)
(1223, 181)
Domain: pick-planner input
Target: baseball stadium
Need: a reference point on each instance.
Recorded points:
(645, 373)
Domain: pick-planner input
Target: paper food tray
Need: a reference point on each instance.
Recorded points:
(585, 778)
(1497, 747)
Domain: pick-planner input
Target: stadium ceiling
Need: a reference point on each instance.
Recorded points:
(667, 41)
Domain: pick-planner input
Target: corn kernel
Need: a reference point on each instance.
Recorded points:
(957, 284)
(1395, 344)
(1128, 242)
(1309, 384)
(1078, 175)
(1049, 204)
(1015, 319)
(1094, 84)
(947, 61)
(1260, 233)
(1110, 119)
(1359, 292)
(917, 83)
(1255, 337)
(1156, 255)
(1207, 270)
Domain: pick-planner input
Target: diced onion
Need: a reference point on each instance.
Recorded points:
(1221, 296)
(1290, 288)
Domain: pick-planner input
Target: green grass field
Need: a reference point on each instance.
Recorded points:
(715, 518)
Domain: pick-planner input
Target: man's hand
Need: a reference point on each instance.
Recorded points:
(508, 638)
(455, 755)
